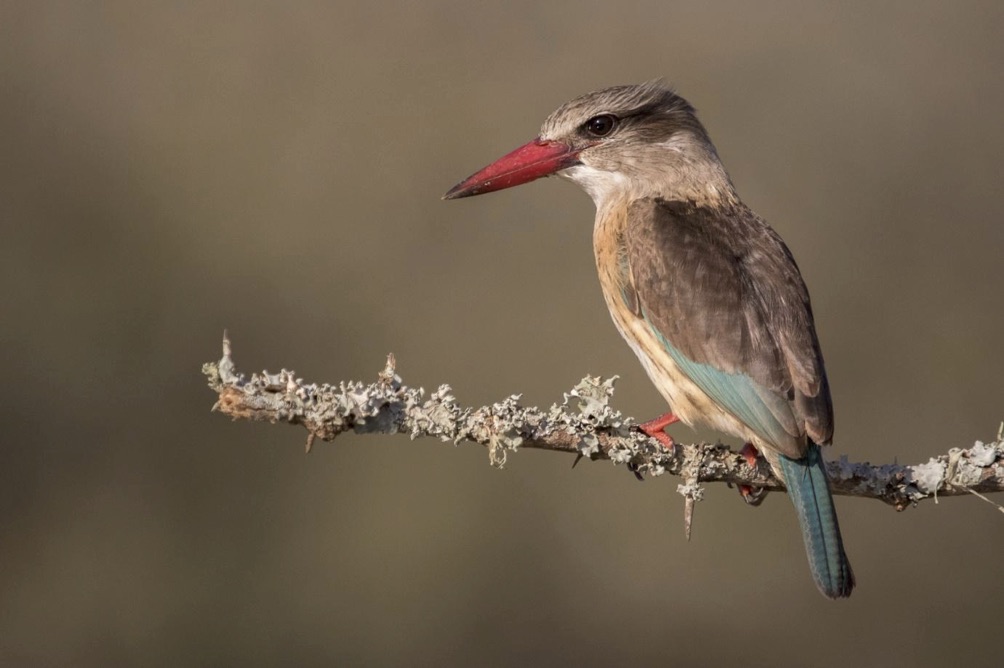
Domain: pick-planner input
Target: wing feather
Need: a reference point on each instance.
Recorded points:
(723, 295)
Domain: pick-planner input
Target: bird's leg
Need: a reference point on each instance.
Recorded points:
(654, 428)
(749, 453)
(754, 496)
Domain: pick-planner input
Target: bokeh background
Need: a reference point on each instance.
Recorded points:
(171, 169)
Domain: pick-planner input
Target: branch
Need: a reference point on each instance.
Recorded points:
(589, 429)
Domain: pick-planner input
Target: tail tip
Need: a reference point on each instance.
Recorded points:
(840, 586)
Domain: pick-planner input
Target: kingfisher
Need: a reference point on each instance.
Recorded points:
(703, 290)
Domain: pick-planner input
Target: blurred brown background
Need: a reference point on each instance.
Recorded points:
(170, 170)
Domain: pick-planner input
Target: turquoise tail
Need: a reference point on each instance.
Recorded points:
(810, 492)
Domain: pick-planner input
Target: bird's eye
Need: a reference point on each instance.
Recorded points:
(600, 126)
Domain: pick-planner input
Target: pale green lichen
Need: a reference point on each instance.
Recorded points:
(594, 414)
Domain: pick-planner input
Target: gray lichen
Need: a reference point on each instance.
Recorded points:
(928, 477)
(982, 455)
(594, 414)
(584, 423)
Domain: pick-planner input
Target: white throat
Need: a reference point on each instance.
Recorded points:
(601, 185)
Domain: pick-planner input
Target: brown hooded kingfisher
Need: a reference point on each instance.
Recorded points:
(703, 290)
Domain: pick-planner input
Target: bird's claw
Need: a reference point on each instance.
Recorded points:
(753, 496)
(633, 468)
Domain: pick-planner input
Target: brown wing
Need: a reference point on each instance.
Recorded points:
(723, 293)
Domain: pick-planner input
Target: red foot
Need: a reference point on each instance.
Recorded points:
(754, 496)
(749, 453)
(654, 428)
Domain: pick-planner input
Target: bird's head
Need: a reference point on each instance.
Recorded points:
(624, 141)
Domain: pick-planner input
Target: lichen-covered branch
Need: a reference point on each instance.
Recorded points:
(584, 423)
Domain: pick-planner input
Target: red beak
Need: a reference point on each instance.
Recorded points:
(527, 163)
